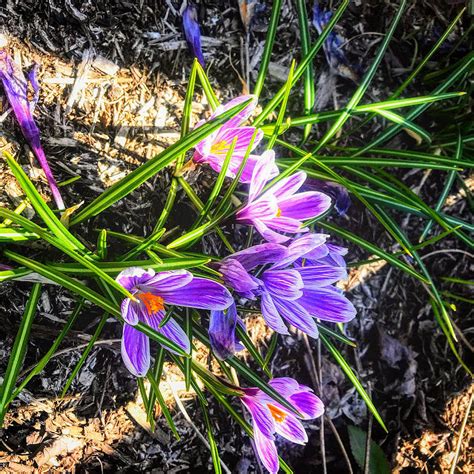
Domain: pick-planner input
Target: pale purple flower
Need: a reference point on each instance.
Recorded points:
(281, 209)
(15, 86)
(290, 291)
(222, 326)
(153, 291)
(213, 149)
(270, 418)
(192, 32)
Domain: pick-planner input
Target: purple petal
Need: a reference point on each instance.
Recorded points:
(129, 312)
(300, 247)
(266, 451)
(305, 206)
(271, 315)
(199, 293)
(268, 234)
(261, 415)
(321, 275)
(259, 255)
(286, 284)
(242, 116)
(288, 186)
(192, 32)
(135, 351)
(236, 276)
(222, 325)
(166, 281)
(308, 404)
(328, 304)
(133, 276)
(264, 170)
(173, 331)
(292, 429)
(263, 209)
(285, 386)
(295, 314)
(32, 78)
(285, 224)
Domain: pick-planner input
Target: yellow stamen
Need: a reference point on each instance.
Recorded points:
(277, 414)
(278, 214)
(219, 148)
(152, 302)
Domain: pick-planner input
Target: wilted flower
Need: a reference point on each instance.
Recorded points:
(222, 326)
(290, 290)
(270, 418)
(339, 193)
(332, 46)
(192, 32)
(213, 149)
(153, 291)
(15, 86)
(281, 208)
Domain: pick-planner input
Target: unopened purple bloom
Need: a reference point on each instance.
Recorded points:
(270, 418)
(281, 208)
(192, 32)
(222, 326)
(339, 193)
(292, 289)
(335, 57)
(15, 86)
(153, 291)
(213, 149)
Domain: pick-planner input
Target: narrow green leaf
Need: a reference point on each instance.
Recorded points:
(216, 461)
(378, 463)
(18, 352)
(353, 378)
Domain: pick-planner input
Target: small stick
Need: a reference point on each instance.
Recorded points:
(461, 433)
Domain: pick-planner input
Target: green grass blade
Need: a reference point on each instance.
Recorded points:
(157, 371)
(102, 245)
(47, 357)
(137, 177)
(206, 85)
(18, 352)
(398, 119)
(309, 95)
(188, 329)
(353, 378)
(216, 460)
(446, 189)
(10, 235)
(267, 50)
(85, 354)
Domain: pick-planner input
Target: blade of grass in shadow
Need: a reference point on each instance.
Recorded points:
(216, 461)
(267, 50)
(144, 172)
(46, 358)
(309, 73)
(446, 189)
(353, 378)
(188, 102)
(157, 371)
(18, 351)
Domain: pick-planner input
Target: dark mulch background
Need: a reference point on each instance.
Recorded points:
(106, 129)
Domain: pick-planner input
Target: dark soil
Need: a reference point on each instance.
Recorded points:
(105, 130)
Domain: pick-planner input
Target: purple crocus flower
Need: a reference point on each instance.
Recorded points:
(339, 193)
(281, 208)
(270, 418)
(192, 32)
(213, 149)
(15, 86)
(222, 325)
(153, 291)
(287, 289)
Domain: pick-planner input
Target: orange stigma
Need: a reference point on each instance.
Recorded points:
(152, 302)
(219, 148)
(277, 414)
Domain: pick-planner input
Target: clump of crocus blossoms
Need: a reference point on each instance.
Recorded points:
(291, 278)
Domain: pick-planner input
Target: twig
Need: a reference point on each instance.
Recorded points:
(461, 433)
